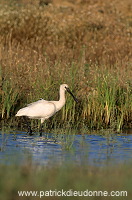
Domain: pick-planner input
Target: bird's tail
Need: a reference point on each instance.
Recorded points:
(22, 112)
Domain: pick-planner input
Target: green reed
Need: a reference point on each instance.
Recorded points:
(108, 105)
(9, 98)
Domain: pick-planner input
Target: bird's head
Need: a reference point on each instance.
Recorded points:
(66, 88)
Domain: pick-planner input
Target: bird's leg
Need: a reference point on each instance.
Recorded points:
(41, 126)
(40, 129)
(28, 126)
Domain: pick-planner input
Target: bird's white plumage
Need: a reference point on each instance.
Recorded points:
(43, 109)
(37, 110)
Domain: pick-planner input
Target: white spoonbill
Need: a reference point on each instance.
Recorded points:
(43, 109)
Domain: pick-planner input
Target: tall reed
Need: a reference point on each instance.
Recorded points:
(10, 97)
(42, 47)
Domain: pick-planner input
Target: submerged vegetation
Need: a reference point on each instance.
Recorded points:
(85, 44)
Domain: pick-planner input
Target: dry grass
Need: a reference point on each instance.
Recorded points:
(80, 43)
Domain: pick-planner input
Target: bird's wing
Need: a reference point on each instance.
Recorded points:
(37, 102)
(39, 109)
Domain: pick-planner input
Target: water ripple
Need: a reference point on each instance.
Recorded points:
(51, 149)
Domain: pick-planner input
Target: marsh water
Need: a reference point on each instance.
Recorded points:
(16, 147)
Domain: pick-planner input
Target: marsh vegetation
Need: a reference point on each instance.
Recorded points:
(71, 177)
(85, 44)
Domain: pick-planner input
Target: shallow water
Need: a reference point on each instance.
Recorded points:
(51, 149)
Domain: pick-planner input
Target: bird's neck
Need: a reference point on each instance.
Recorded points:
(62, 99)
(59, 104)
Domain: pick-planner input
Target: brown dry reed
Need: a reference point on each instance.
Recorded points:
(85, 44)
